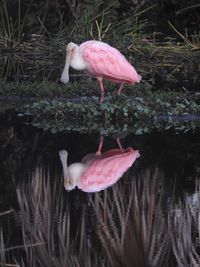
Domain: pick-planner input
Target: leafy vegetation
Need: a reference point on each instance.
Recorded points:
(76, 107)
(142, 108)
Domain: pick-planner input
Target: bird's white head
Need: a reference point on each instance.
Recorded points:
(72, 173)
(71, 49)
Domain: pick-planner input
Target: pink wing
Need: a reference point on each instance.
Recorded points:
(107, 62)
(106, 169)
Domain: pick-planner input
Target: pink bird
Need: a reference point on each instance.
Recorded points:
(97, 171)
(101, 61)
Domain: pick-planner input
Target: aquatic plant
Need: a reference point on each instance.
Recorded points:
(154, 109)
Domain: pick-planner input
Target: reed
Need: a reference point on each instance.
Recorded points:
(11, 31)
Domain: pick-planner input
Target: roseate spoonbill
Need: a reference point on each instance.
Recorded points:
(97, 171)
(101, 61)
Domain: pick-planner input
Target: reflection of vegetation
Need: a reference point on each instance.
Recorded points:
(133, 231)
(50, 237)
(121, 226)
(45, 216)
(184, 221)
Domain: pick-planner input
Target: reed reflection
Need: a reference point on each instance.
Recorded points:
(54, 228)
(124, 225)
(98, 171)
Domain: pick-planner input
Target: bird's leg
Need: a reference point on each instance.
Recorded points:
(120, 88)
(102, 89)
(119, 144)
(100, 146)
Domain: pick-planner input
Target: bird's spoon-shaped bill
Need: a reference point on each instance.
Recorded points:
(65, 74)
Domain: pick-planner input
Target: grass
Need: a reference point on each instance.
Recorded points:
(130, 36)
(11, 31)
(170, 59)
(194, 44)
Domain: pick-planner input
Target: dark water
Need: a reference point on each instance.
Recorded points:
(147, 218)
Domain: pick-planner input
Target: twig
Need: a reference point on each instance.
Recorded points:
(6, 212)
(9, 264)
(183, 37)
(22, 246)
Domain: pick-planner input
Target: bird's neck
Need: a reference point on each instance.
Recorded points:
(77, 61)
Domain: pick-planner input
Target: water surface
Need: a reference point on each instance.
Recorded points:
(42, 224)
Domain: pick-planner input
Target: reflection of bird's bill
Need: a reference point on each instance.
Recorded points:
(139, 78)
(65, 74)
(69, 184)
(138, 153)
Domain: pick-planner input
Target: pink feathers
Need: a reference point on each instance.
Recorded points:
(105, 170)
(101, 61)
(107, 62)
(97, 171)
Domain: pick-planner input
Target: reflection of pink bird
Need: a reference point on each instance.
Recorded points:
(101, 61)
(97, 171)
